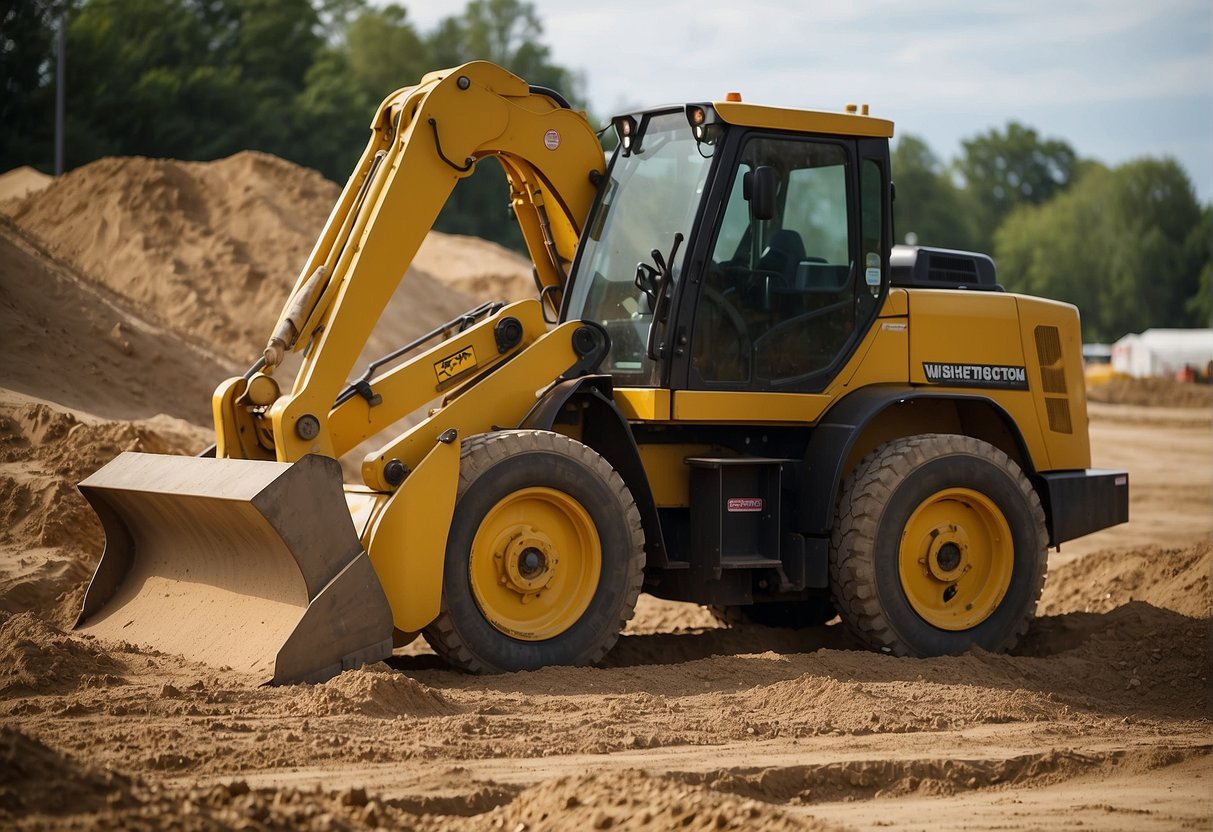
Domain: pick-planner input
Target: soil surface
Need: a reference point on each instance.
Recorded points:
(130, 287)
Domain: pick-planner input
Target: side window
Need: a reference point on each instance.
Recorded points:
(782, 298)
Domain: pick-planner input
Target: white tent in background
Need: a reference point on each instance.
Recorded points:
(1162, 352)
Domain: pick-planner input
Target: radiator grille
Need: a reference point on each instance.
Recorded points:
(1059, 415)
(1053, 378)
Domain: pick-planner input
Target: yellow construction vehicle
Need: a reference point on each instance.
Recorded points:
(731, 389)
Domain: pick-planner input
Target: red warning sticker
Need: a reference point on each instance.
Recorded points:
(744, 504)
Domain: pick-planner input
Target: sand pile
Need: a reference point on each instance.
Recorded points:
(1175, 579)
(22, 181)
(373, 691)
(1159, 392)
(634, 800)
(32, 775)
(38, 658)
(49, 537)
(210, 250)
(476, 267)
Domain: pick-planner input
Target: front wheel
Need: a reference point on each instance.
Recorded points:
(544, 559)
(939, 545)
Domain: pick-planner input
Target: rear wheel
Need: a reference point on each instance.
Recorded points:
(545, 556)
(939, 545)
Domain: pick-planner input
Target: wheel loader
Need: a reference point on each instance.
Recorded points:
(731, 389)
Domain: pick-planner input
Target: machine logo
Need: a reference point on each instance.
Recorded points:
(735, 504)
(1002, 376)
(454, 364)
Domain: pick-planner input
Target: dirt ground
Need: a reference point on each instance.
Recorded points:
(1100, 719)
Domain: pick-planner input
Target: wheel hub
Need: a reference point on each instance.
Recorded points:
(947, 557)
(526, 560)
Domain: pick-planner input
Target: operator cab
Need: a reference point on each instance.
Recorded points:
(736, 247)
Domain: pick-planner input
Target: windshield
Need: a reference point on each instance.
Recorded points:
(652, 194)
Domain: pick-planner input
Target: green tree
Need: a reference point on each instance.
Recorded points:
(1005, 169)
(1119, 244)
(929, 205)
(27, 80)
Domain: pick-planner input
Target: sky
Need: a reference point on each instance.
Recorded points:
(1117, 79)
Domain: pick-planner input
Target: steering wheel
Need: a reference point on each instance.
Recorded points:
(730, 313)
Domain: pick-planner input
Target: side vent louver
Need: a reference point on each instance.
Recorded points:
(1053, 378)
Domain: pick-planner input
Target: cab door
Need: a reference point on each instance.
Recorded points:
(783, 299)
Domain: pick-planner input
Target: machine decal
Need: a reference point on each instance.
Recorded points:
(744, 504)
(454, 364)
(551, 140)
(1004, 376)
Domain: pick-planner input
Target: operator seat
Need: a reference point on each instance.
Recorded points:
(782, 255)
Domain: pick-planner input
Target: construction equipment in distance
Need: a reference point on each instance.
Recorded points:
(743, 395)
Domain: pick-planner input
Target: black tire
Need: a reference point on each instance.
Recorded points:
(789, 615)
(521, 470)
(885, 587)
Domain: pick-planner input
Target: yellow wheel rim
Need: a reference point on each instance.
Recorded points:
(955, 558)
(535, 563)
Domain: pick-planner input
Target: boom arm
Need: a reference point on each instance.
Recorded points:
(424, 139)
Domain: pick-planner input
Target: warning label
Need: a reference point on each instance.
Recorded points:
(735, 504)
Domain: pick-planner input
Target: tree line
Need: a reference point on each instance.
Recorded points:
(202, 79)
(1129, 245)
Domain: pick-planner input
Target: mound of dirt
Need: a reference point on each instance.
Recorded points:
(373, 691)
(38, 658)
(210, 250)
(477, 268)
(1162, 392)
(212, 247)
(633, 800)
(22, 181)
(33, 776)
(49, 538)
(70, 340)
(1175, 579)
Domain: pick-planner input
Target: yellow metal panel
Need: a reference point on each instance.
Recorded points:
(502, 398)
(643, 404)
(804, 121)
(744, 407)
(406, 542)
(411, 384)
(883, 358)
(896, 304)
(1066, 450)
(668, 474)
(983, 328)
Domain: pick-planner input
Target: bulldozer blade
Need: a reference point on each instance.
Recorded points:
(235, 563)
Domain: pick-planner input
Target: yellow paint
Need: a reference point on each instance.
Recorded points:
(724, 406)
(803, 121)
(405, 545)
(643, 404)
(500, 398)
(411, 384)
(956, 326)
(668, 474)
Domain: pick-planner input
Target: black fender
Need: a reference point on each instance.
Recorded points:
(605, 429)
(835, 435)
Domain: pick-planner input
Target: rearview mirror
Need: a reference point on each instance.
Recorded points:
(760, 187)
